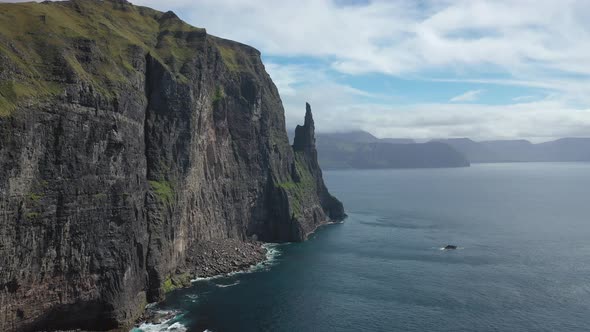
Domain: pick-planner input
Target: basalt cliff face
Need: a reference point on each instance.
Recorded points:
(129, 139)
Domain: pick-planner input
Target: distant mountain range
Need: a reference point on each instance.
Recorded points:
(564, 149)
(360, 149)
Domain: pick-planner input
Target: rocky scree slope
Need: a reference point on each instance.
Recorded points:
(129, 139)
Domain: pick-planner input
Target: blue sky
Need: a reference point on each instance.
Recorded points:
(487, 69)
(430, 87)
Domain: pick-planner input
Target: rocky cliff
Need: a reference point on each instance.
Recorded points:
(129, 139)
(307, 174)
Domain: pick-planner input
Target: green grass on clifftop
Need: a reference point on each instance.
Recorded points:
(229, 57)
(95, 42)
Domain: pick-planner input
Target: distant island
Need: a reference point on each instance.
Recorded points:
(563, 149)
(362, 150)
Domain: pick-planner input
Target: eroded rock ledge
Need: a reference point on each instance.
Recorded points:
(213, 258)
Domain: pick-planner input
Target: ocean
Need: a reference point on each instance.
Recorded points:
(522, 262)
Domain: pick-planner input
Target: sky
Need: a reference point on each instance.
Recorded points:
(485, 69)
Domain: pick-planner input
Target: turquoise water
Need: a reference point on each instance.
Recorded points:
(523, 262)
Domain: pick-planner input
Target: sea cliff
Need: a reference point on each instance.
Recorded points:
(130, 143)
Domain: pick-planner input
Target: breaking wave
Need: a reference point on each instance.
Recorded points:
(170, 325)
(227, 285)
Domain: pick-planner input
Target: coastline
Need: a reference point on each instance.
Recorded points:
(212, 258)
(218, 259)
(324, 223)
(210, 261)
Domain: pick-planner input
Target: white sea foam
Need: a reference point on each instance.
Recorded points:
(177, 327)
(335, 222)
(197, 279)
(167, 326)
(192, 297)
(206, 278)
(151, 305)
(272, 253)
(227, 285)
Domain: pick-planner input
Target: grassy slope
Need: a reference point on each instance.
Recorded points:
(33, 36)
(301, 191)
(36, 39)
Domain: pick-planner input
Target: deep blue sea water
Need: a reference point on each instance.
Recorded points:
(523, 262)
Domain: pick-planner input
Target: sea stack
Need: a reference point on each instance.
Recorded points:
(306, 159)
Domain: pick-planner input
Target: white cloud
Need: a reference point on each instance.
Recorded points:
(529, 40)
(471, 95)
(537, 121)
(539, 44)
(398, 37)
(523, 98)
(313, 85)
(337, 107)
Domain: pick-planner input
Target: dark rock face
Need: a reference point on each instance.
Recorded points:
(128, 154)
(304, 135)
(306, 156)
